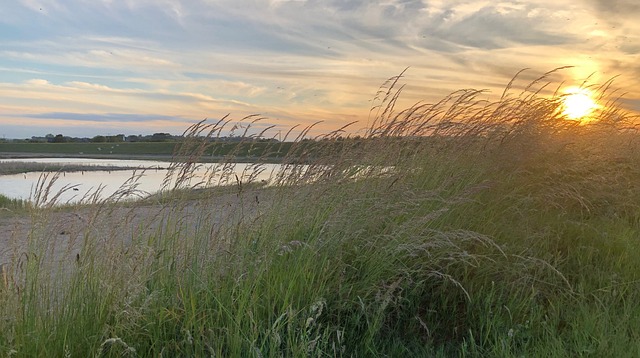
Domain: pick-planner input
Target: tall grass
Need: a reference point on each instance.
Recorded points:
(461, 228)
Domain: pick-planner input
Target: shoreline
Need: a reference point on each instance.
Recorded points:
(153, 157)
(31, 167)
(27, 155)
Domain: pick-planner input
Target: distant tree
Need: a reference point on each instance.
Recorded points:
(99, 139)
(160, 137)
(118, 138)
(59, 138)
(35, 139)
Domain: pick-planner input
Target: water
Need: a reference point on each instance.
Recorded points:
(102, 184)
(90, 161)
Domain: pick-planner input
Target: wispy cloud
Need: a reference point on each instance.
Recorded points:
(106, 117)
(293, 60)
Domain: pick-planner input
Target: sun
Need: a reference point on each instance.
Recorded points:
(578, 103)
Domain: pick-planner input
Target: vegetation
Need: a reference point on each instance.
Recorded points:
(243, 150)
(462, 228)
(8, 168)
(141, 148)
(8, 204)
(118, 138)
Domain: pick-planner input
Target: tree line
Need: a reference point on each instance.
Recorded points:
(118, 138)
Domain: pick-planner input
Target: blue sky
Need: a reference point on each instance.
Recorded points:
(88, 67)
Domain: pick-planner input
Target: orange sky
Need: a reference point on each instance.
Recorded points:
(142, 66)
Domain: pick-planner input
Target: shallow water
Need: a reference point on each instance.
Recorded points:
(153, 176)
(90, 161)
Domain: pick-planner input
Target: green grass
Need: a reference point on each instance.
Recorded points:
(9, 204)
(151, 148)
(242, 151)
(511, 233)
(8, 168)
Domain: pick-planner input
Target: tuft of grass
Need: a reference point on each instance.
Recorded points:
(10, 205)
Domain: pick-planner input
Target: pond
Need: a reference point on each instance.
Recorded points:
(146, 177)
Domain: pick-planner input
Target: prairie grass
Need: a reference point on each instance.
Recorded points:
(461, 228)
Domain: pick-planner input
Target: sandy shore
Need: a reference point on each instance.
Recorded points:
(63, 235)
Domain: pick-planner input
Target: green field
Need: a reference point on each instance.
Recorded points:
(242, 150)
(515, 233)
(150, 148)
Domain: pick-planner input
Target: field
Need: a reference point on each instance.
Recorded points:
(247, 150)
(150, 148)
(463, 228)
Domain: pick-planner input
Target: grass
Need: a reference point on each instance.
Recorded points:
(8, 168)
(10, 205)
(242, 151)
(463, 228)
(151, 148)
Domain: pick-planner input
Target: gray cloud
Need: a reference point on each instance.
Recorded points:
(490, 29)
(105, 117)
(307, 28)
(631, 103)
(624, 8)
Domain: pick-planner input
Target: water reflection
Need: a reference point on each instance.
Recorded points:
(147, 177)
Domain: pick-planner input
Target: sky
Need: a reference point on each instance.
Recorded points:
(90, 67)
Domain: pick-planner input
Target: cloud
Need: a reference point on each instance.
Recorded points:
(617, 8)
(305, 28)
(75, 55)
(293, 60)
(43, 7)
(631, 103)
(106, 117)
(38, 82)
(84, 97)
(492, 27)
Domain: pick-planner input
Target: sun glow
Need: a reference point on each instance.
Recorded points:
(578, 103)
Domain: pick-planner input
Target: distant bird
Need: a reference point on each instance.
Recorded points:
(75, 189)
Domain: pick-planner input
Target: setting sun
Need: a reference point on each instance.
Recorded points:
(578, 103)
